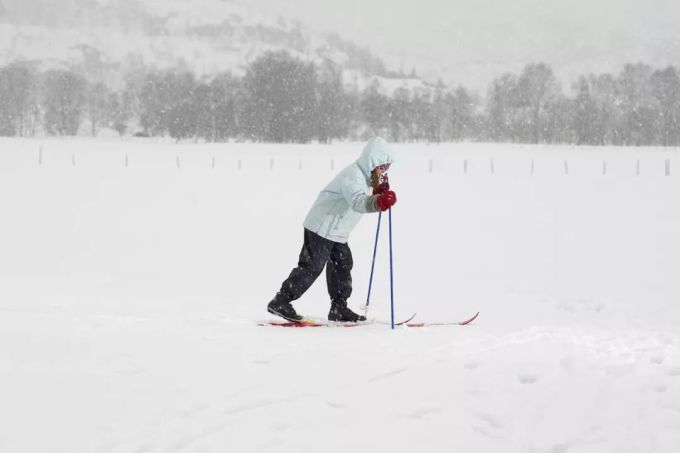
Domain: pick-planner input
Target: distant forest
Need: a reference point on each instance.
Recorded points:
(286, 100)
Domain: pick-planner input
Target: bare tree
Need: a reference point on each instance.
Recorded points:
(18, 100)
(64, 99)
(665, 86)
(97, 106)
(537, 86)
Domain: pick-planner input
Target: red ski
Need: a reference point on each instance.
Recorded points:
(311, 322)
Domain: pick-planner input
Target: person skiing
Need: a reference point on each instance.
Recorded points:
(327, 227)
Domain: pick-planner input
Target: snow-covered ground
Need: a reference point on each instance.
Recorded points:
(132, 278)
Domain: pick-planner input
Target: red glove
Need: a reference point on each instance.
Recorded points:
(383, 186)
(386, 200)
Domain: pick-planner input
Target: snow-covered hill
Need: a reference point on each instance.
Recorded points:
(205, 36)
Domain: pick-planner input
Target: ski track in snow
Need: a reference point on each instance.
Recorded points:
(130, 299)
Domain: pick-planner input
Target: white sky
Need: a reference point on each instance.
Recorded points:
(472, 41)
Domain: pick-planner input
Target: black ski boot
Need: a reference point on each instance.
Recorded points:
(281, 307)
(340, 312)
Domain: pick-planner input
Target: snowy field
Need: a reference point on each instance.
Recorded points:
(132, 278)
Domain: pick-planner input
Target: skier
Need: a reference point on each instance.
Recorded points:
(334, 214)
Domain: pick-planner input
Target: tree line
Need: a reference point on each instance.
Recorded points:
(284, 99)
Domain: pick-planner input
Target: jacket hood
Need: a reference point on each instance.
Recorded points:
(377, 152)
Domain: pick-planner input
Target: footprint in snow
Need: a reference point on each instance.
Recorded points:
(559, 448)
(668, 339)
(336, 405)
(527, 378)
(656, 359)
(675, 371)
(471, 365)
(569, 308)
(491, 420)
(423, 413)
(387, 375)
(491, 426)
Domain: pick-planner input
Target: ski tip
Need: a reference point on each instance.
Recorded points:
(466, 322)
(401, 323)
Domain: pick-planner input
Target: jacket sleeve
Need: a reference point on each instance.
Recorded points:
(355, 194)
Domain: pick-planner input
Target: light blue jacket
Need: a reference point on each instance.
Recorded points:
(340, 205)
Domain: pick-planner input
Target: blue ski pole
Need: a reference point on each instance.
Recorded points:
(391, 274)
(375, 251)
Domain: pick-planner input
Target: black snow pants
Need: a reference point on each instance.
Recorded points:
(316, 253)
